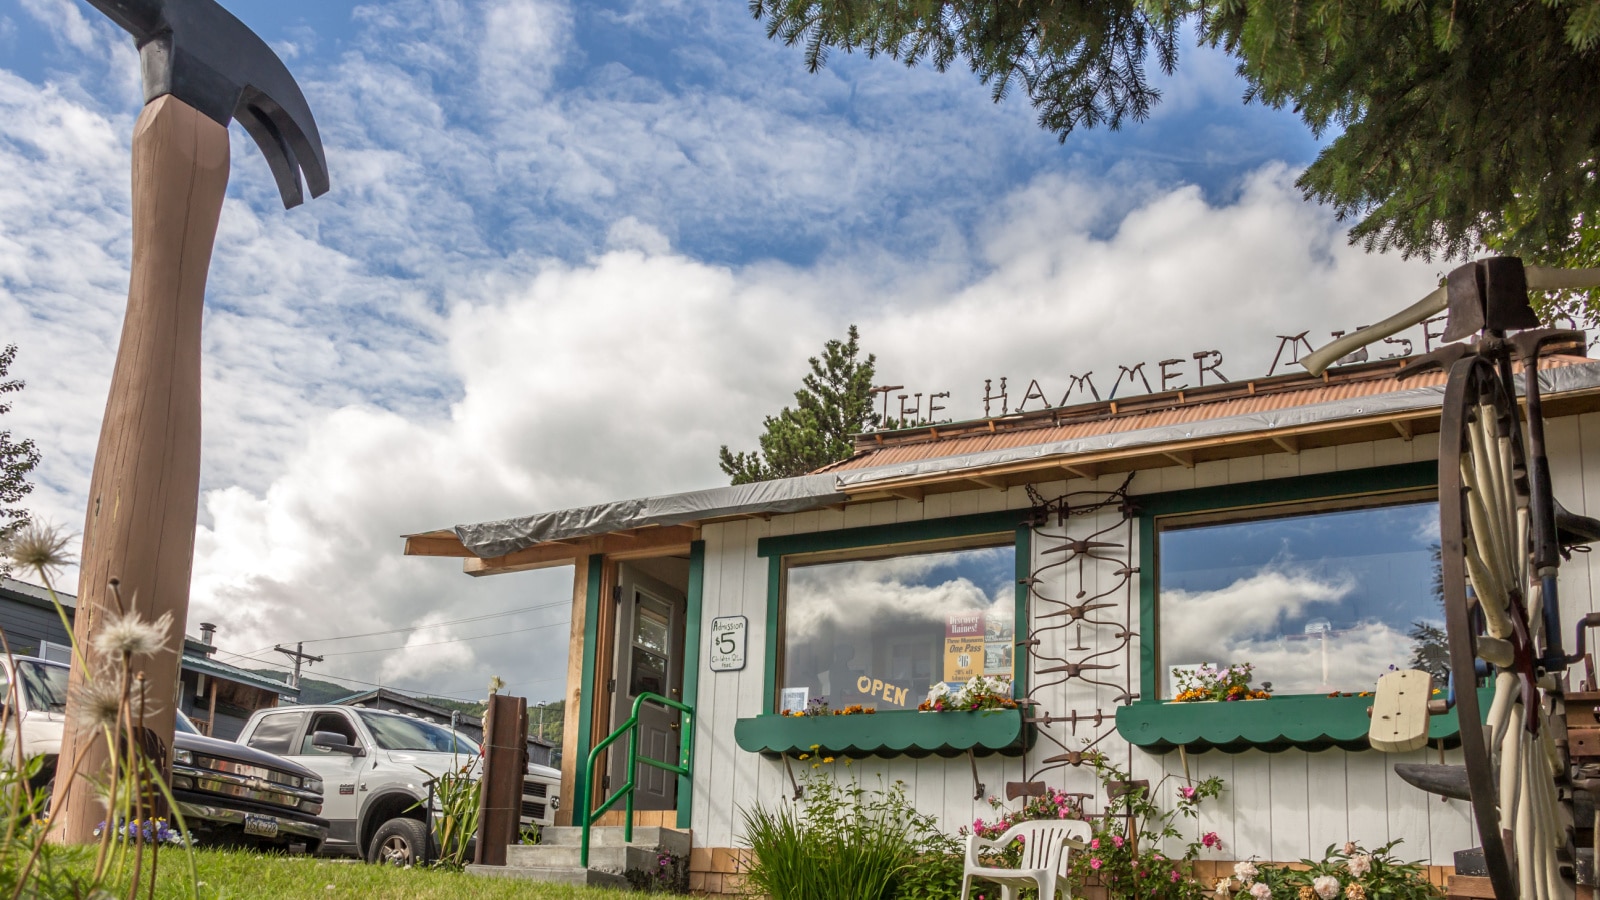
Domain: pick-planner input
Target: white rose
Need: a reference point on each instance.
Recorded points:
(1359, 864)
(1326, 886)
(1260, 891)
(1245, 871)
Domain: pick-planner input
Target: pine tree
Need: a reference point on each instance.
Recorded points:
(17, 459)
(1459, 123)
(834, 403)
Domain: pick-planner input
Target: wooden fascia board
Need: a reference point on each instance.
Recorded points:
(662, 541)
(432, 545)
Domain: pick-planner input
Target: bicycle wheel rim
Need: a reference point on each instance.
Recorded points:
(1482, 493)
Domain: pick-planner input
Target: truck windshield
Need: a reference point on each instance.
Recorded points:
(404, 733)
(45, 685)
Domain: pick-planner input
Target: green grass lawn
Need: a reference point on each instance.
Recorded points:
(230, 874)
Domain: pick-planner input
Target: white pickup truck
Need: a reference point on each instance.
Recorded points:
(375, 766)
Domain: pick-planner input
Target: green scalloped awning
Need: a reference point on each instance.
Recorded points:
(887, 734)
(1279, 723)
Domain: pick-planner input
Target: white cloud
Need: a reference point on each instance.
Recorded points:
(502, 310)
(1244, 623)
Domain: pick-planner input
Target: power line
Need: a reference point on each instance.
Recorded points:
(458, 640)
(479, 618)
(454, 694)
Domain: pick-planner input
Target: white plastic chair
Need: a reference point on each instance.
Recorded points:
(1045, 843)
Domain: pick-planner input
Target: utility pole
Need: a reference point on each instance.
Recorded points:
(297, 654)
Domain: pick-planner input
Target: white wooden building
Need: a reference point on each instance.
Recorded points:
(1286, 522)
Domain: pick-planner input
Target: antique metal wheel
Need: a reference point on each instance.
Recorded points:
(1495, 625)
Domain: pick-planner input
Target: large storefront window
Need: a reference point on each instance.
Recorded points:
(1317, 599)
(877, 628)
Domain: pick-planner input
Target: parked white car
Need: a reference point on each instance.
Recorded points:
(227, 794)
(42, 701)
(375, 766)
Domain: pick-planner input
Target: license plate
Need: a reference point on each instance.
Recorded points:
(260, 826)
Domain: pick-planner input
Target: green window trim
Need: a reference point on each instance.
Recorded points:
(773, 734)
(691, 667)
(1309, 721)
(586, 697)
(898, 733)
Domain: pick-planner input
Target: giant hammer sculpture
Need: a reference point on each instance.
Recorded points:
(202, 68)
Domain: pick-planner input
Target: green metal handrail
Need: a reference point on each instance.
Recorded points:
(631, 727)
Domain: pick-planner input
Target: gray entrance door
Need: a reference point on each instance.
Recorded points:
(649, 660)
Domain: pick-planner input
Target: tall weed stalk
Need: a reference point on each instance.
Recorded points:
(456, 799)
(110, 703)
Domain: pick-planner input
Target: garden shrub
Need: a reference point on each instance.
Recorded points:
(845, 842)
(1124, 851)
(1350, 873)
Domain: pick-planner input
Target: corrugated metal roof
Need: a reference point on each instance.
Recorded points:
(33, 592)
(1310, 393)
(234, 673)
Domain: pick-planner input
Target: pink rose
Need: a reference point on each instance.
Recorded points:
(1117, 839)
(1211, 839)
(1187, 792)
(1094, 862)
(1095, 844)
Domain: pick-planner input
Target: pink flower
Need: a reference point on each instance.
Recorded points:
(1117, 839)
(1095, 844)
(1063, 814)
(1094, 862)
(1187, 792)
(1211, 839)
(1260, 891)
(1174, 876)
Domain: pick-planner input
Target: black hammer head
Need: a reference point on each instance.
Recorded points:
(198, 52)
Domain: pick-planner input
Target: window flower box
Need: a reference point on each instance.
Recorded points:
(1279, 723)
(913, 734)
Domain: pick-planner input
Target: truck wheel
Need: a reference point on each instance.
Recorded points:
(398, 842)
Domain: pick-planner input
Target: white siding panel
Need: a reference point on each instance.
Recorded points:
(1366, 798)
(1291, 810)
(1408, 812)
(1326, 778)
(1252, 803)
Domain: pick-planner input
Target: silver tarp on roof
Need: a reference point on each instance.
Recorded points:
(787, 495)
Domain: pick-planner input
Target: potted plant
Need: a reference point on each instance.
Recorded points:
(1206, 682)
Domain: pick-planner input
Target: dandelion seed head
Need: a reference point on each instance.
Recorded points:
(95, 705)
(131, 634)
(39, 546)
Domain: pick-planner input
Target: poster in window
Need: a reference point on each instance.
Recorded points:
(963, 645)
(793, 699)
(997, 658)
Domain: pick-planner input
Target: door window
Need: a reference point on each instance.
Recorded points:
(651, 643)
(273, 733)
(337, 723)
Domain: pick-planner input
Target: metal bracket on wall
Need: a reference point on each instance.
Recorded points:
(798, 790)
(977, 786)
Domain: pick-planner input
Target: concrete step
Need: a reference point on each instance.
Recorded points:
(668, 839)
(614, 858)
(553, 875)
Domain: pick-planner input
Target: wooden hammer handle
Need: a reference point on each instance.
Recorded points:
(144, 493)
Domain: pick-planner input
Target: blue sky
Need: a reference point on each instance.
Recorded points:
(572, 248)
